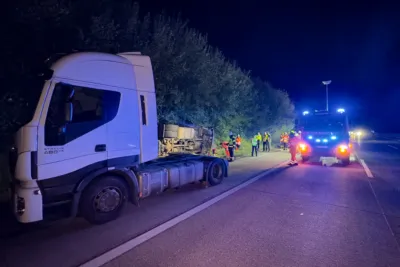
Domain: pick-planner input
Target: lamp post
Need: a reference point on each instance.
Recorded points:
(326, 83)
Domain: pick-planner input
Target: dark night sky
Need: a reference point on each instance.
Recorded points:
(296, 46)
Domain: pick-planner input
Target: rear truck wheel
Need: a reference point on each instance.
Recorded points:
(345, 161)
(215, 173)
(103, 200)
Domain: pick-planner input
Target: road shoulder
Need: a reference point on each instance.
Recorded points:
(95, 240)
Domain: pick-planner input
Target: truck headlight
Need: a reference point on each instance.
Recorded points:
(20, 205)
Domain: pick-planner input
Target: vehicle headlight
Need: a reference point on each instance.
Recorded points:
(343, 148)
(303, 147)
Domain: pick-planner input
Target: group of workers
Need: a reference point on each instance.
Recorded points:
(288, 141)
(256, 142)
(233, 144)
(284, 140)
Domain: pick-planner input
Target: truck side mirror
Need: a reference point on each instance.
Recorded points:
(69, 110)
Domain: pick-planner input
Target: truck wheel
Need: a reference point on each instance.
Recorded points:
(345, 161)
(215, 173)
(103, 200)
(305, 159)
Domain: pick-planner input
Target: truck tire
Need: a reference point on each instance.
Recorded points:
(305, 159)
(215, 173)
(170, 134)
(171, 128)
(103, 200)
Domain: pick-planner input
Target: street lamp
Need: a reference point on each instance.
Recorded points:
(326, 83)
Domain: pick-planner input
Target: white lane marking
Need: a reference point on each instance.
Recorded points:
(129, 245)
(364, 165)
(366, 168)
(394, 147)
(384, 215)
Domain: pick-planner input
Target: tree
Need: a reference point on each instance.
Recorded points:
(195, 83)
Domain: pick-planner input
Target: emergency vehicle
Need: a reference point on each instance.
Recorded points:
(325, 134)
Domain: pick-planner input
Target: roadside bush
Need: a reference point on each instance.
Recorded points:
(195, 82)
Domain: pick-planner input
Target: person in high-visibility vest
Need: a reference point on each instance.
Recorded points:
(232, 146)
(293, 144)
(285, 141)
(259, 140)
(281, 139)
(224, 145)
(254, 144)
(238, 141)
(265, 142)
(269, 142)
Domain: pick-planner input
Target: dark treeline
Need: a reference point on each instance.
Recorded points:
(195, 82)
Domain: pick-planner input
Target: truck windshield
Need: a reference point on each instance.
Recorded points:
(324, 123)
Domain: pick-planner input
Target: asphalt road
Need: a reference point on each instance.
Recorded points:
(67, 244)
(301, 216)
(383, 159)
(307, 215)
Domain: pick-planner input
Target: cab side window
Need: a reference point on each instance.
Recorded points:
(91, 108)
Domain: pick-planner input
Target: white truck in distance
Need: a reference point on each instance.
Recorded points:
(92, 143)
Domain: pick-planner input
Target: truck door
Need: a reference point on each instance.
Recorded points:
(72, 139)
(123, 131)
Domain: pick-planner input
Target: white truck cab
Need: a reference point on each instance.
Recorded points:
(92, 143)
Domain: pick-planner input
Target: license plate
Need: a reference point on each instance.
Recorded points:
(322, 146)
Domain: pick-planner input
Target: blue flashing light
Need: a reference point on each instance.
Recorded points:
(310, 137)
(333, 137)
(318, 140)
(306, 112)
(341, 110)
(325, 140)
